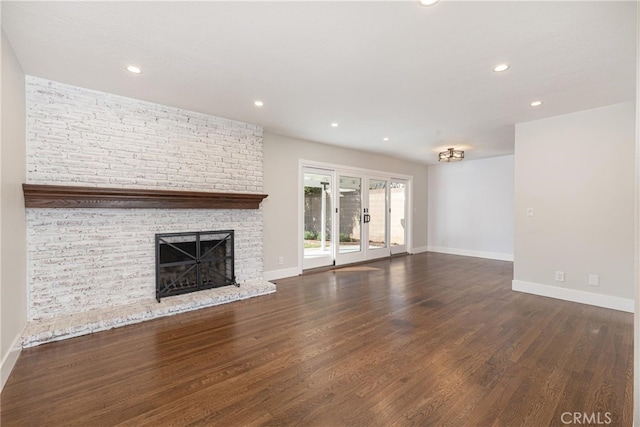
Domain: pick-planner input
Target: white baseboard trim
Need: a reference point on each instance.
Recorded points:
(419, 250)
(468, 252)
(573, 295)
(10, 360)
(281, 274)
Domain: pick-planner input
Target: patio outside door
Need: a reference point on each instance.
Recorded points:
(318, 218)
(350, 216)
(362, 219)
(398, 214)
(375, 219)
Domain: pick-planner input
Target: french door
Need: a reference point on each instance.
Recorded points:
(351, 217)
(398, 202)
(318, 218)
(376, 218)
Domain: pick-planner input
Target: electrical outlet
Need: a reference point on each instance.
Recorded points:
(529, 211)
(280, 260)
(559, 276)
(594, 280)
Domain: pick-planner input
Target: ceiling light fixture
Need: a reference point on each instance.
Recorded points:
(134, 69)
(536, 103)
(385, 138)
(258, 103)
(428, 2)
(501, 67)
(334, 125)
(451, 155)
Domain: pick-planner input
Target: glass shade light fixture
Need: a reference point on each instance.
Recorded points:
(451, 155)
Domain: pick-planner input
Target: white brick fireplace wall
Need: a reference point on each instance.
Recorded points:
(81, 260)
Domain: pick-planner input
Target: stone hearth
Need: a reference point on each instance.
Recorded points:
(42, 331)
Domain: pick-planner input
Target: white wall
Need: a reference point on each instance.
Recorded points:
(577, 172)
(13, 314)
(281, 161)
(471, 208)
(636, 329)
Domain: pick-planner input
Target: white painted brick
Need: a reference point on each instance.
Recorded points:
(98, 259)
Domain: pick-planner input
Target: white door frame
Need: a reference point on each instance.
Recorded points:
(378, 252)
(327, 260)
(400, 248)
(342, 258)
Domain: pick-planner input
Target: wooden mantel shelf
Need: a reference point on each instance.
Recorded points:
(59, 196)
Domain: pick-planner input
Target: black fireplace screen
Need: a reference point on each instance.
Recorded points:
(189, 262)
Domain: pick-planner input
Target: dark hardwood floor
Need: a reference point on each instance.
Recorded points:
(424, 340)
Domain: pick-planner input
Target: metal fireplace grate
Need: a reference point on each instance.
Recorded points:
(189, 262)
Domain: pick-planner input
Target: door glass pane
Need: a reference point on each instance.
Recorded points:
(377, 214)
(317, 215)
(398, 197)
(350, 209)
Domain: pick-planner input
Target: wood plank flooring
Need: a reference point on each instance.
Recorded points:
(425, 340)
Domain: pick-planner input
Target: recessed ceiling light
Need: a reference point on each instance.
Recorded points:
(536, 103)
(385, 138)
(134, 69)
(334, 125)
(428, 2)
(258, 103)
(501, 67)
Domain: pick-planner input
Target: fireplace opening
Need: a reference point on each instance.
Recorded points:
(189, 262)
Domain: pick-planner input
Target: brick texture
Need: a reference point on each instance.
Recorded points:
(85, 259)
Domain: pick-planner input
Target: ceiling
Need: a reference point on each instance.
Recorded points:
(421, 76)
